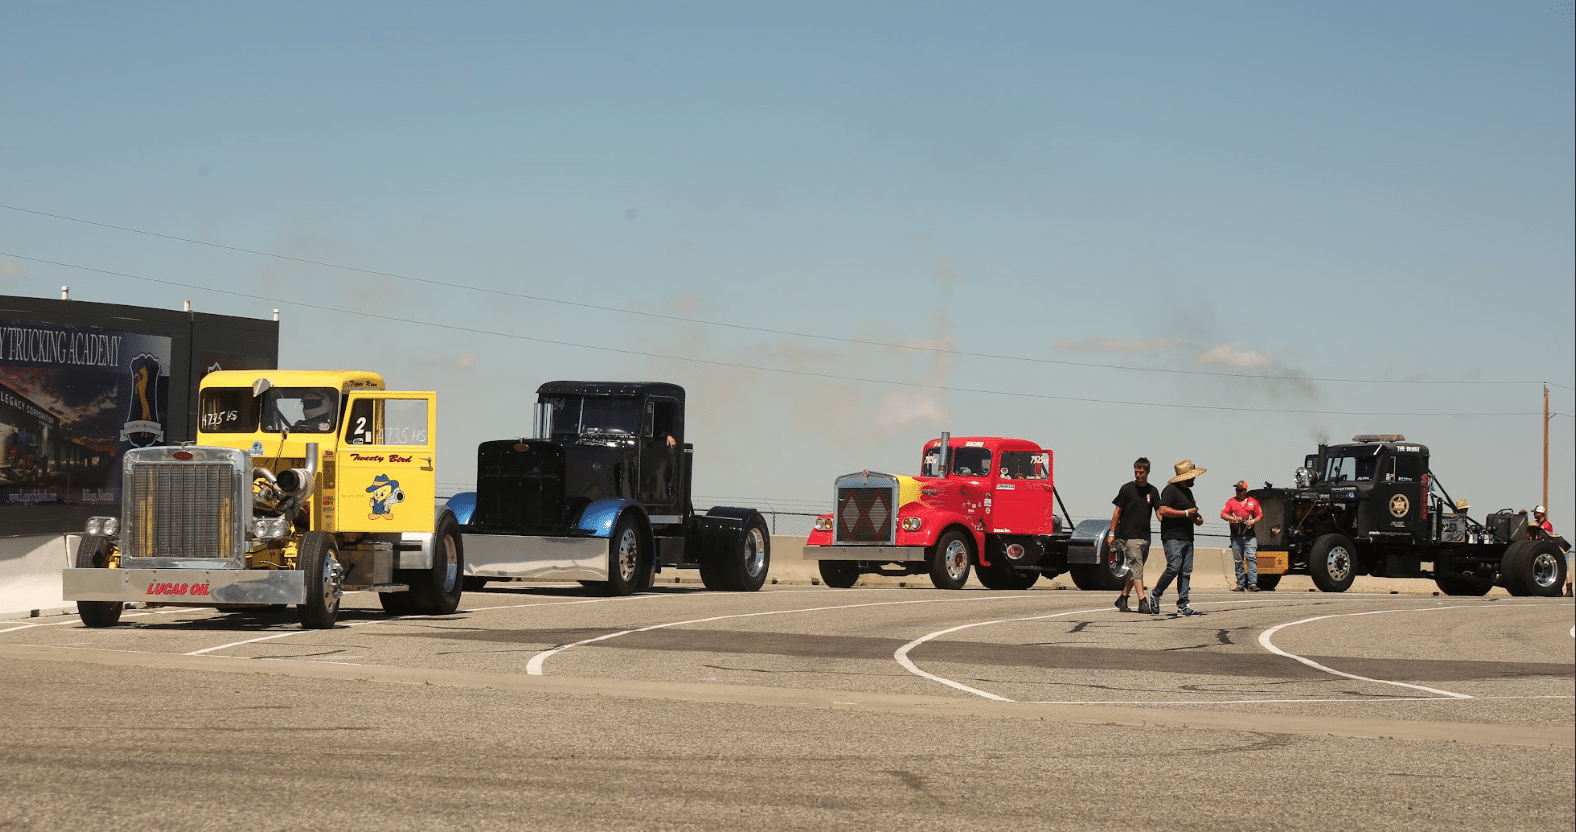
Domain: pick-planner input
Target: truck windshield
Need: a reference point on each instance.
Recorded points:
(1351, 469)
(576, 416)
(971, 462)
(297, 409)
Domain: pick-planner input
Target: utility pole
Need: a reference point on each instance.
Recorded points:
(1545, 444)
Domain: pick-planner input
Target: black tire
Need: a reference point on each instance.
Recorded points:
(950, 559)
(1511, 570)
(1001, 576)
(626, 558)
(1269, 582)
(744, 570)
(839, 574)
(318, 560)
(1534, 567)
(473, 583)
(93, 553)
(1103, 576)
(397, 603)
(436, 590)
(1332, 563)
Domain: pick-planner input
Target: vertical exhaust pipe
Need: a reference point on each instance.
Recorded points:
(946, 453)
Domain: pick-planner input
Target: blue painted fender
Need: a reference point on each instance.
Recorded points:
(463, 505)
(598, 517)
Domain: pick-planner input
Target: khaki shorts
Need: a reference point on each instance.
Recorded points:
(1136, 551)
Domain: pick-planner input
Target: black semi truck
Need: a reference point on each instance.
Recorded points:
(600, 493)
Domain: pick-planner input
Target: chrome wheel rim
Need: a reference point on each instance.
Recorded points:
(956, 559)
(1545, 570)
(1338, 563)
(333, 587)
(628, 554)
(754, 552)
(451, 564)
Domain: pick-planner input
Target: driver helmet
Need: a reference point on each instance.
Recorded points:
(316, 407)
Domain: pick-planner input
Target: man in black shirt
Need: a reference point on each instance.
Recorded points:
(1129, 535)
(1178, 515)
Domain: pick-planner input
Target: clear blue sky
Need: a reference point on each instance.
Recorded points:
(1219, 231)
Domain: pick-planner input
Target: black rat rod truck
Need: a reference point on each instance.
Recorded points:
(601, 495)
(302, 484)
(1373, 507)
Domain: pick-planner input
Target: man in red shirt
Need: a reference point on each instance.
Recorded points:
(1242, 512)
(1540, 518)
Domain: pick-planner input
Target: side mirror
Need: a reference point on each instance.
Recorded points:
(260, 387)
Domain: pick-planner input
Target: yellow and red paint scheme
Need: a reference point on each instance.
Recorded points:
(998, 500)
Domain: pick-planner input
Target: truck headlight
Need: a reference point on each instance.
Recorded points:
(823, 524)
(912, 524)
(270, 528)
(103, 526)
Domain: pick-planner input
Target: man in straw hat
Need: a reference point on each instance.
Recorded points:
(1178, 515)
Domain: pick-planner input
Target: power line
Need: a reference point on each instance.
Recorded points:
(804, 373)
(726, 325)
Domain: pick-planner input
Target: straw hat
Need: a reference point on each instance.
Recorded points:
(1186, 471)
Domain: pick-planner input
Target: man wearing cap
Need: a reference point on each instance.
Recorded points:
(1178, 515)
(1242, 512)
(1540, 518)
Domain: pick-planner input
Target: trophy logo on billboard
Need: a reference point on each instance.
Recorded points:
(143, 426)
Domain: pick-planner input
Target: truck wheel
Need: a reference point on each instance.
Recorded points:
(436, 591)
(1533, 567)
(1333, 563)
(839, 574)
(949, 563)
(1003, 577)
(1106, 576)
(745, 569)
(1269, 582)
(319, 564)
(93, 553)
(624, 558)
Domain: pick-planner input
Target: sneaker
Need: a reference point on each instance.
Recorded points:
(1154, 604)
(1253, 587)
(1184, 609)
(1143, 606)
(1238, 589)
(1121, 603)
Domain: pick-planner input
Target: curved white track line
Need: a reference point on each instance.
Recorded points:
(1264, 641)
(901, 656)
(534, 666)
(289, 633)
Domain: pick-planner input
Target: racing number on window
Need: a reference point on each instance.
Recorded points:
(388, 422)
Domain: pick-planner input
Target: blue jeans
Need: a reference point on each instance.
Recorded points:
(1179, 567)
(1245, 550)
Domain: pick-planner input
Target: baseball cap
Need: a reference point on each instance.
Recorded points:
(1539, 510)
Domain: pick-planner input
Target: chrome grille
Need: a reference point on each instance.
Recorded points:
(864, 515)
(182, 510)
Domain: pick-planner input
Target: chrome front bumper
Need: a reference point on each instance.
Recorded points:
(872, 554)
(200, 587)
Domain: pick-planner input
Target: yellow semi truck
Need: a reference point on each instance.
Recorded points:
(302, 484)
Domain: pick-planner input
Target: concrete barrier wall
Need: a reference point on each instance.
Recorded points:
(30, 575)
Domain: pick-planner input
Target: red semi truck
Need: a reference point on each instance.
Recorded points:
(981, 503)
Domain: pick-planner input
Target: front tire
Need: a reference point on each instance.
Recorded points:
(949, 563)
(839, 574)
(436, 590)
(1269, 582)
(318, 560)
(93, 553)
(625, 558)
(1332, 563)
